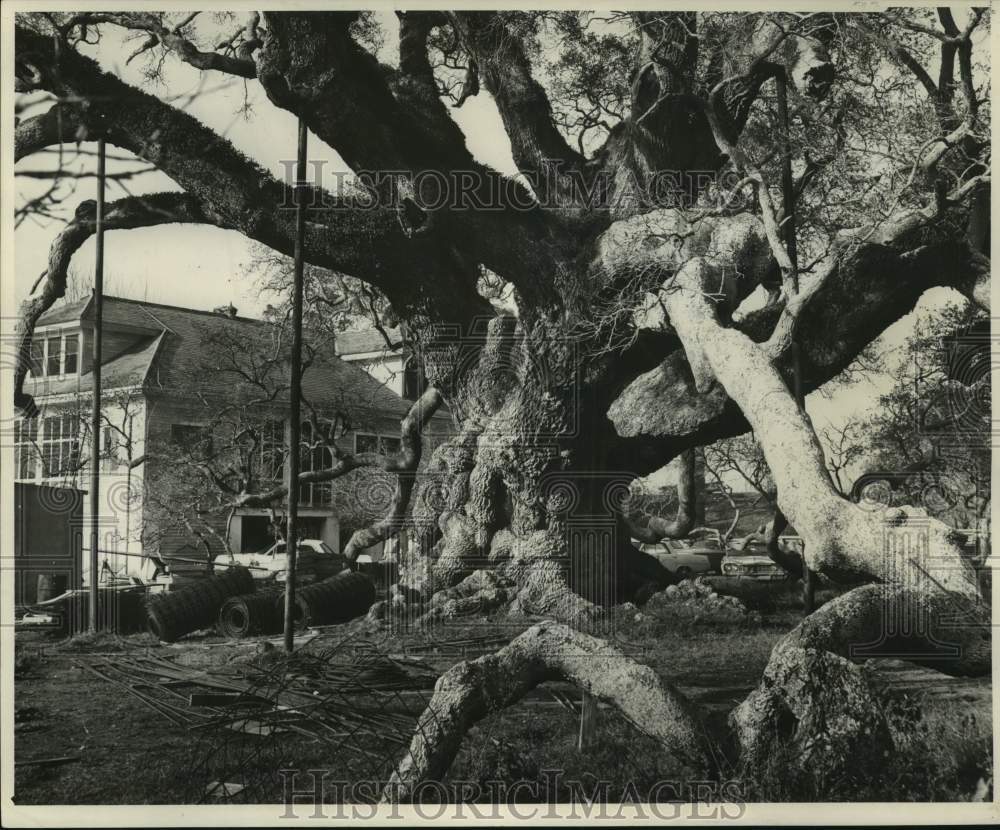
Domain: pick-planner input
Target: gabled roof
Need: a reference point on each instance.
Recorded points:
(173, 346)
(365, 341)
(127, 369)
(64, 313)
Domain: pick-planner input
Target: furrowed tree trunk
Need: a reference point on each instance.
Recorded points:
(520, 488)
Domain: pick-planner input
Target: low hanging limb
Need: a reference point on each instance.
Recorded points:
(682, 525)
(470, 691)
(933, 629)
(128, 213)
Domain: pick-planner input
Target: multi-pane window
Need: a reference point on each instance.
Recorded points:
(25, 448)
(315, 456)
(55, 355)
(272, 451)
(384, 444)
(71, 353)
(60, 445)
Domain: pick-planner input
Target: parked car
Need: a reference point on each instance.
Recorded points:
(314, 560)
(755, 566)
(699, 554)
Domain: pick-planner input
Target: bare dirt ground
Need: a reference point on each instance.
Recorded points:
(125, 753)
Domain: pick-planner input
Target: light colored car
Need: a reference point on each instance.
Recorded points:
(314, 560)
(755, 566)
(700, 553)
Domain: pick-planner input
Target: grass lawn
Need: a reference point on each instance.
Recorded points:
(129, 754)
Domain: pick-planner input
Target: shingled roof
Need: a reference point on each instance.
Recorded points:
(366, 341)
(172, 348)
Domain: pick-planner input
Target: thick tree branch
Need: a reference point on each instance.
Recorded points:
(505, 71)
(841, 539)
(405, 466)
(793, 45)
(470, 691)
(130, 213)
(311, 65)
(865, 286)
(57, 125)
(658, 529)
(343, 234)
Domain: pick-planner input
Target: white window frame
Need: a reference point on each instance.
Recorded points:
(30, 446)
(61, 334)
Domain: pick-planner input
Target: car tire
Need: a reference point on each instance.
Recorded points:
(683, 572)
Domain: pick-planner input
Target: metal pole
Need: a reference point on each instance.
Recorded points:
(788, 222)
(788, 200)
(95, 422)
(295, 392)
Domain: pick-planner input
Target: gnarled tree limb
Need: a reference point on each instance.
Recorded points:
(57, 125)
(171, 38)
(505, 71)
(129, 213)
(681, 526)
(841, 539)
(470, 691)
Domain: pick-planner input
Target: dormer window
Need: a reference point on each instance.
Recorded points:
(56, 355)
(71, 354)
(53, 356)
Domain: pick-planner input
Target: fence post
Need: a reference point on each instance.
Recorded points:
(588, 722)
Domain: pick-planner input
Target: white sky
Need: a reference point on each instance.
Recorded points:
(204, 267)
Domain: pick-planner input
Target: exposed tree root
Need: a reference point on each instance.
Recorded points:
(815, 706)
(815, 702)
(470, 691)
(479, 593)
(933, 629)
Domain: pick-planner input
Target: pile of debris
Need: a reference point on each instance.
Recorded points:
(352, 702)
(698, 601)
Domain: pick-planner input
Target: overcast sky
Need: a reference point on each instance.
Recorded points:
(204, 267)
(201, 266)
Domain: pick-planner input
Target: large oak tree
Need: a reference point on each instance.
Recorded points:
(647, 210)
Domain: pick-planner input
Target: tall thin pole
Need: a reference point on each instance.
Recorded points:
(788, 200)
(95, 415)
(788, 223)
(296, 390)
